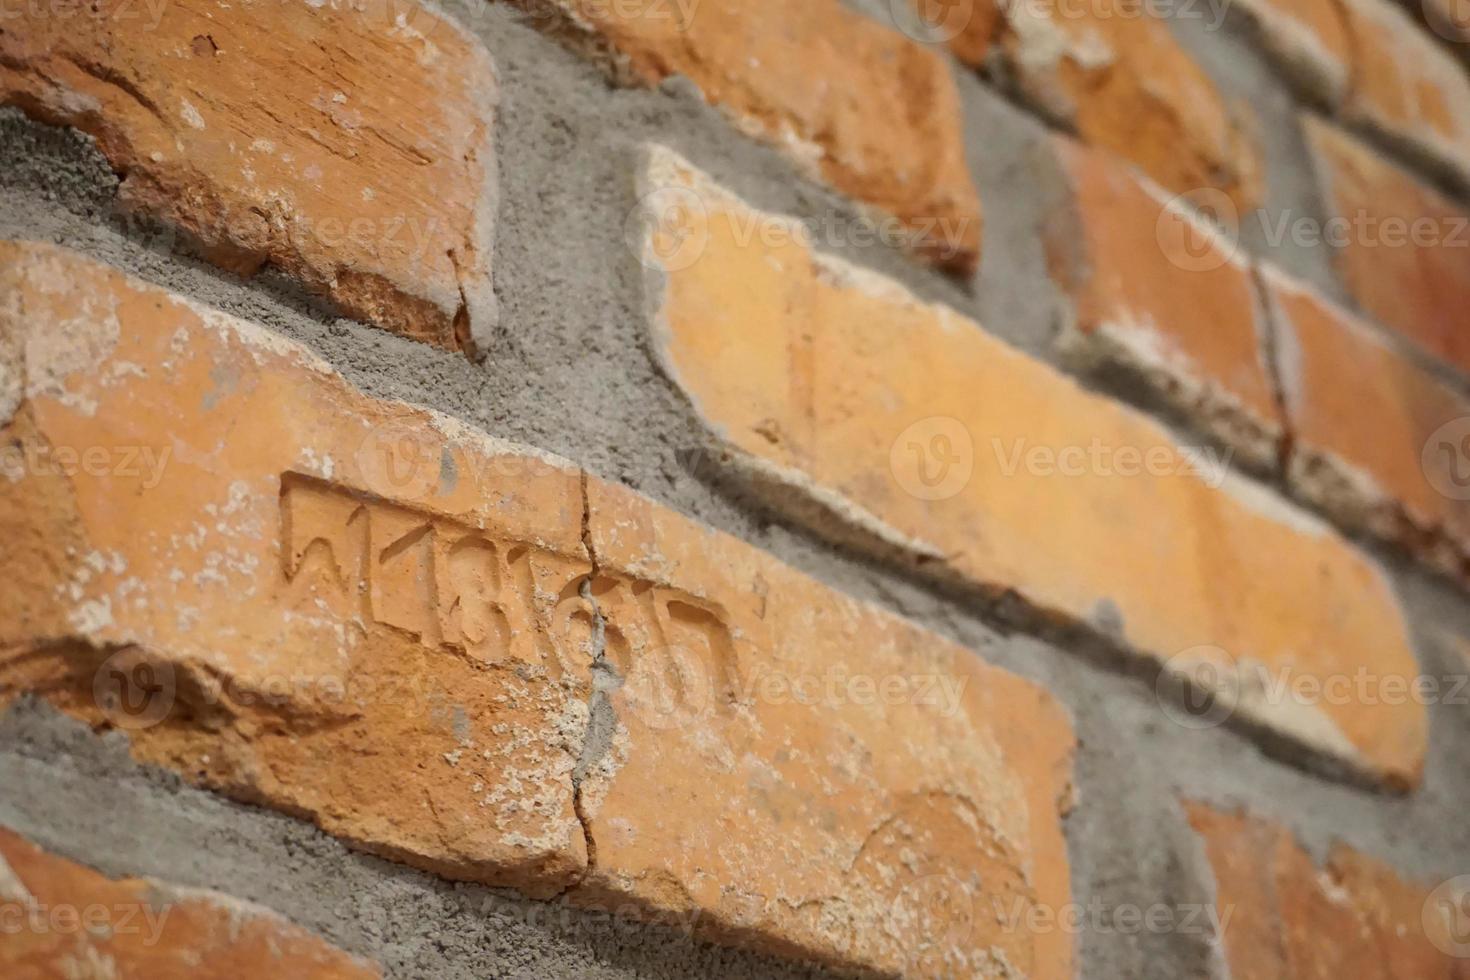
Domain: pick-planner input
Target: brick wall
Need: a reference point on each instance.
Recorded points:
(732, 488)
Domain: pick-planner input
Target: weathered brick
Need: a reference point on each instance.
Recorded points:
(1112, 72)
(1370, 62)
(63, 919)
(348, 145)
(776, 763)
(1289, 918)
(1310, 40)
(1366, 424)
(1162, 296)
(864, 107)
(906, 428)
(1407, 87)
(1404, 248)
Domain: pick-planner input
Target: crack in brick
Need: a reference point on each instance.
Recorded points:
(601, 717)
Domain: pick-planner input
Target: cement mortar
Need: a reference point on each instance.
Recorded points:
(569, 372)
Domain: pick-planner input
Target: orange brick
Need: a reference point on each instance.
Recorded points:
(1098, 72)
(789, 768)
(1289, 918)
(352, 153)
(66, 920)
(1311, 40)
(1161, 295)
(1369, 446)
(870, 111)
(1407, 86)
(906, 428)
(1418, 284)
(1370, 61)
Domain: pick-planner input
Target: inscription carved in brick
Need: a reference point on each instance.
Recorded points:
(476, 659)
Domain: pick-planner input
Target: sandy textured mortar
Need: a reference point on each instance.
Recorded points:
(569, 372)
(83, 797)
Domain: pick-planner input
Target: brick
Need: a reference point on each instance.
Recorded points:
(1097, 70)
(65, 920)
(1370, 62)
(855, 102)
(1368, 426)
(1355, 916)
(1163, 297)
(322, 139)
(902, 427)
(1404, 250)
(1311, 40)
(1407, 88)
(460, 591)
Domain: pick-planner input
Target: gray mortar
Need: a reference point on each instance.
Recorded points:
(84, 798)
(569, 371)
(1258, 94)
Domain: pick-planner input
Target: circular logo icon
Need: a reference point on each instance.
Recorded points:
(1450, 19)
(1197, 231)
(934, 458)
(670, 690)
(668, 229)
(938, 912)
(933, 21)
(133, 691)
(1198, 688)
(400, 462)
(1445, 459)
(1446, 917)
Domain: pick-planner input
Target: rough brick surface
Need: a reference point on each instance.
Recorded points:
(1289, 918)
(873, 113)
(367, 615)
(1374, 436)
(905, 427)
(1162, 296)
(1310, 40)
(1112, 72)
(318, 138)
(1371, 62)
(1407, 87)
(1404, 250)
(61, 919)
